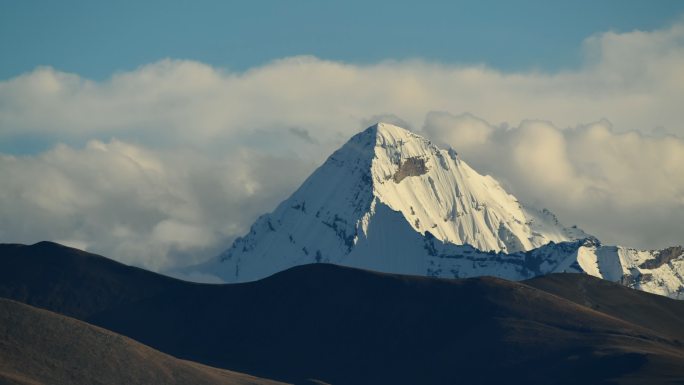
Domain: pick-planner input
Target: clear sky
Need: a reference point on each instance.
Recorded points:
(96, 38)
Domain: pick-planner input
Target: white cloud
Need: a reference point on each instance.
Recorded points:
(200, 151)
(633, 79)
(626, 188)
(156, 209)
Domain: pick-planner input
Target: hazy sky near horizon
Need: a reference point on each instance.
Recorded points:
(156, 132)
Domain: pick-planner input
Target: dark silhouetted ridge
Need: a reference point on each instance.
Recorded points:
(73, 282)
(658, 313)
(41, 347)
(340, 325)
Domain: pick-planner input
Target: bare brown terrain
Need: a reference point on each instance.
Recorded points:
(657, 313)
(330, 324)
(41, 347)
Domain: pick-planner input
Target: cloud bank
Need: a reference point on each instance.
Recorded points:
(627, 188)
(164, 165)
(158, 209)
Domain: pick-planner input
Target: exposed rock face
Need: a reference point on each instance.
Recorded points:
(413, 166)
(662, 257)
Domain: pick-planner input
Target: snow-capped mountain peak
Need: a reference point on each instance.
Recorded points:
(389, 200)
(387, 177)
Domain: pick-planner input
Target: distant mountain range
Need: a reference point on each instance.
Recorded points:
(334, 324)
(391, 201)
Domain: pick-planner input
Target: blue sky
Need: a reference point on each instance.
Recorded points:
(98, 38)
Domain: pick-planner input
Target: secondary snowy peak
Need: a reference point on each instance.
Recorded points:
(438, 192)
(655, 271)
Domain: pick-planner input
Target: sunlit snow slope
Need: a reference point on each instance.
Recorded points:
(390, 200)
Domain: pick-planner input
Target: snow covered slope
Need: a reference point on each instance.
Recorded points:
(438, 192)
(389, 200)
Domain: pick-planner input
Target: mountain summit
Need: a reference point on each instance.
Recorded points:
(390, 200)
(375, 197)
